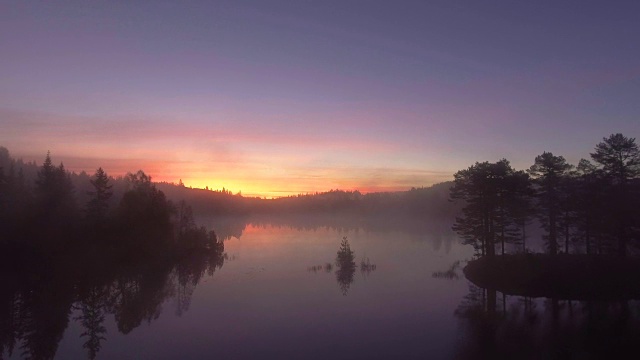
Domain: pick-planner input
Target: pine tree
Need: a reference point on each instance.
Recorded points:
(345, 262)
(548, 172)
(99, 204)
(495, 199)
(54, 194)
(619, 159)
(589, 209)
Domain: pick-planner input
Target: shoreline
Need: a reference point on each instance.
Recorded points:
(566, 277)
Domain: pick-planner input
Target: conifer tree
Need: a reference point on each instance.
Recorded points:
(99, 204)
(495, 197)
(54, 194)
(618, 158)
(548, 172)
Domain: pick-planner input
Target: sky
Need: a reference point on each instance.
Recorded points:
(273, 98)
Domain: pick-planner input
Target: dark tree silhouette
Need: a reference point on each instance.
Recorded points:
(619, 158)
(495, 198)
(346, 266)
(548, 172)
(590, 196)
(520, 206)
(145, 213)
(48, 262)
(54, 197)
(514, 205)
(474, 187)
(99, 204)
(185, 218)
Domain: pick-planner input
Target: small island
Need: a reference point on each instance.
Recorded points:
(589, 217)
(563, 277)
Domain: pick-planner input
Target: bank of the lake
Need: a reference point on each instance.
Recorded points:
(570, 277)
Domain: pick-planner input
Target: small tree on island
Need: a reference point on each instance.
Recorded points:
(346, 257)
(346, 264)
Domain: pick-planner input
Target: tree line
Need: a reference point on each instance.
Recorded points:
(44, 215)
(592, 207)
(417, 202)
(119, 255)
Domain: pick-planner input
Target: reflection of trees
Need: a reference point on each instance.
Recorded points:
(9, 322)
(125, 261)
(44, 315)
(93, 308)
(139, 298)
(345, 266)
(366, 267)
(500, 326)
(36, 303)
(228, 227)
(189, 272)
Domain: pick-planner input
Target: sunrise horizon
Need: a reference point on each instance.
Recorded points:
(263, 188)
(270, 97)
(314, 181)
(334, 179)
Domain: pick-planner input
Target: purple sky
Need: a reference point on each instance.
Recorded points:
(274, 97)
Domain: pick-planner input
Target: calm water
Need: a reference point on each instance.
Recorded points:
(274, 297)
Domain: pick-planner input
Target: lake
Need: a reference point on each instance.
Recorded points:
(278, 293)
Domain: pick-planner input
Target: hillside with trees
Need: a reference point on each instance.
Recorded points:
(44, 219)
(417, 202)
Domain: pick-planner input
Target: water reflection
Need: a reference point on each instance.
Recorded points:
(501, 326)
(366, 267)
(93, 309)
(435, 230)
(450, 274)
(241, 313)
(327, 268)
(345, 265)
(36, 304)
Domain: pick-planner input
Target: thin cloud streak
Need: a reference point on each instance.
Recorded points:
(254, 163)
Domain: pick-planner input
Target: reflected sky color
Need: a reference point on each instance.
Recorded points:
(285, 97)
(264, 303)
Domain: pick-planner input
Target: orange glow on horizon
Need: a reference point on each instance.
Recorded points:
(252, 178)
(260, 190)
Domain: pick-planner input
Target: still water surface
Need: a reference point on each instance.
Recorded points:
(278, 294)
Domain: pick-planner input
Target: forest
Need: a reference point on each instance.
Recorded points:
(592, 207)
(123, 245)
(122, 256)
(20, 177)
(45, 214)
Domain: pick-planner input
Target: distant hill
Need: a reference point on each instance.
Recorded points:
(423, 201)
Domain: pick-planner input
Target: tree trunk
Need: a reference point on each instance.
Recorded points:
(553, 239)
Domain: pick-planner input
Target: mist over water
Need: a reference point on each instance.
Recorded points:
(281, 290)
(265, 301)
